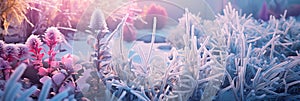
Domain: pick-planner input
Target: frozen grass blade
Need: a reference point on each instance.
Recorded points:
(60, 96)
(12, 82)
(117, 30)
(152, 39)
(26, 94)
(45, 90)
(13, 93)
(122, 96)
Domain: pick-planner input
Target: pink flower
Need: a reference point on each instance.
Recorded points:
(23, 51)
(53, 36)
(42, 71)
(33, 42)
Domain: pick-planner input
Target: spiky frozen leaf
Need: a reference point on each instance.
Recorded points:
(45, 91)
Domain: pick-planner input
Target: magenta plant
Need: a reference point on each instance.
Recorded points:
(10, 52)
(52, 38)
(34, 43)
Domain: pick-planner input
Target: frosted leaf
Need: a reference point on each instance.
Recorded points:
(44, 79)
(58, 78)
(77, 67)
(42, 71)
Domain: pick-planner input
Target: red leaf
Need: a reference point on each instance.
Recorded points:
(41, 55)
(39, 50)
(43, 71)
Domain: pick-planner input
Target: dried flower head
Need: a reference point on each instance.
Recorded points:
(33, 42)
(23, 51)
(53, 36)
(10, 50)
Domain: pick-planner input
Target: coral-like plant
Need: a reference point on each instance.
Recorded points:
(52, 38)
(34, 43)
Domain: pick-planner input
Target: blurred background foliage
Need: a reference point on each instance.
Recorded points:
(21, 18)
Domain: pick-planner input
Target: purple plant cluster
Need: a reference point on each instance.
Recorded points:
(40, 69)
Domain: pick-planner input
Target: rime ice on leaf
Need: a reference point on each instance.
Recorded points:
(58, 78)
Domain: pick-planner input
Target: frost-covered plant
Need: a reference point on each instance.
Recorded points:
(260, 64)
(14, 91)
(98, 25)
(88, 77)
(176, 36)
(257, 57)
(177, 79)
(52, 38)
(34, 43)
(234, 56)
(10, 52)
(56, 75)
(23, 51)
